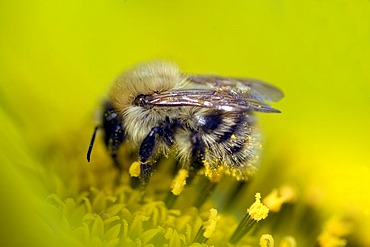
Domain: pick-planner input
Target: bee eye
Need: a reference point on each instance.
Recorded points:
(140, 100)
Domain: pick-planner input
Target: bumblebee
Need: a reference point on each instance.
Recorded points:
(201, 120)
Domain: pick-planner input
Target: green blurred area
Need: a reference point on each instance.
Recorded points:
(58, 58)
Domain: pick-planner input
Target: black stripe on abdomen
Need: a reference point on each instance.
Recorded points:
(239, 121)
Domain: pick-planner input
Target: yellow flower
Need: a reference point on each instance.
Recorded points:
(57, 59)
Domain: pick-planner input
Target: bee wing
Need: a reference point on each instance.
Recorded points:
(264, 90)
(223, 100)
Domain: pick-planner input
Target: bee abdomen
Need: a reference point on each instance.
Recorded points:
(233, 143)
(236, 148)
(211, 122)
(229, 129)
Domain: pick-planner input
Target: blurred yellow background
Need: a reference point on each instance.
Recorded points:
(58, 58)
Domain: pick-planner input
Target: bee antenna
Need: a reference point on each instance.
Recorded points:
(91, 144)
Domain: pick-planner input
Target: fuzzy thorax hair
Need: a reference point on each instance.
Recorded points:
(145, 79)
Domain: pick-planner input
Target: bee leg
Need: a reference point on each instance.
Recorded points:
(113, 153)
(113, 142)
(197, 154)
(114, 132)
(145, 152)
(147, 147)
(146, 171)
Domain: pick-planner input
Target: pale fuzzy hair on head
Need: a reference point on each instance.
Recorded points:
(146, 79)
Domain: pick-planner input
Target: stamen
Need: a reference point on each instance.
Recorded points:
(278, 197)
(290, 241)
(179, 182)
(267, 240)
(256, 212)
(177, 187)
(208, 228)
(335, 231)
(210, 225)
(213, 175)
(205, 192)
